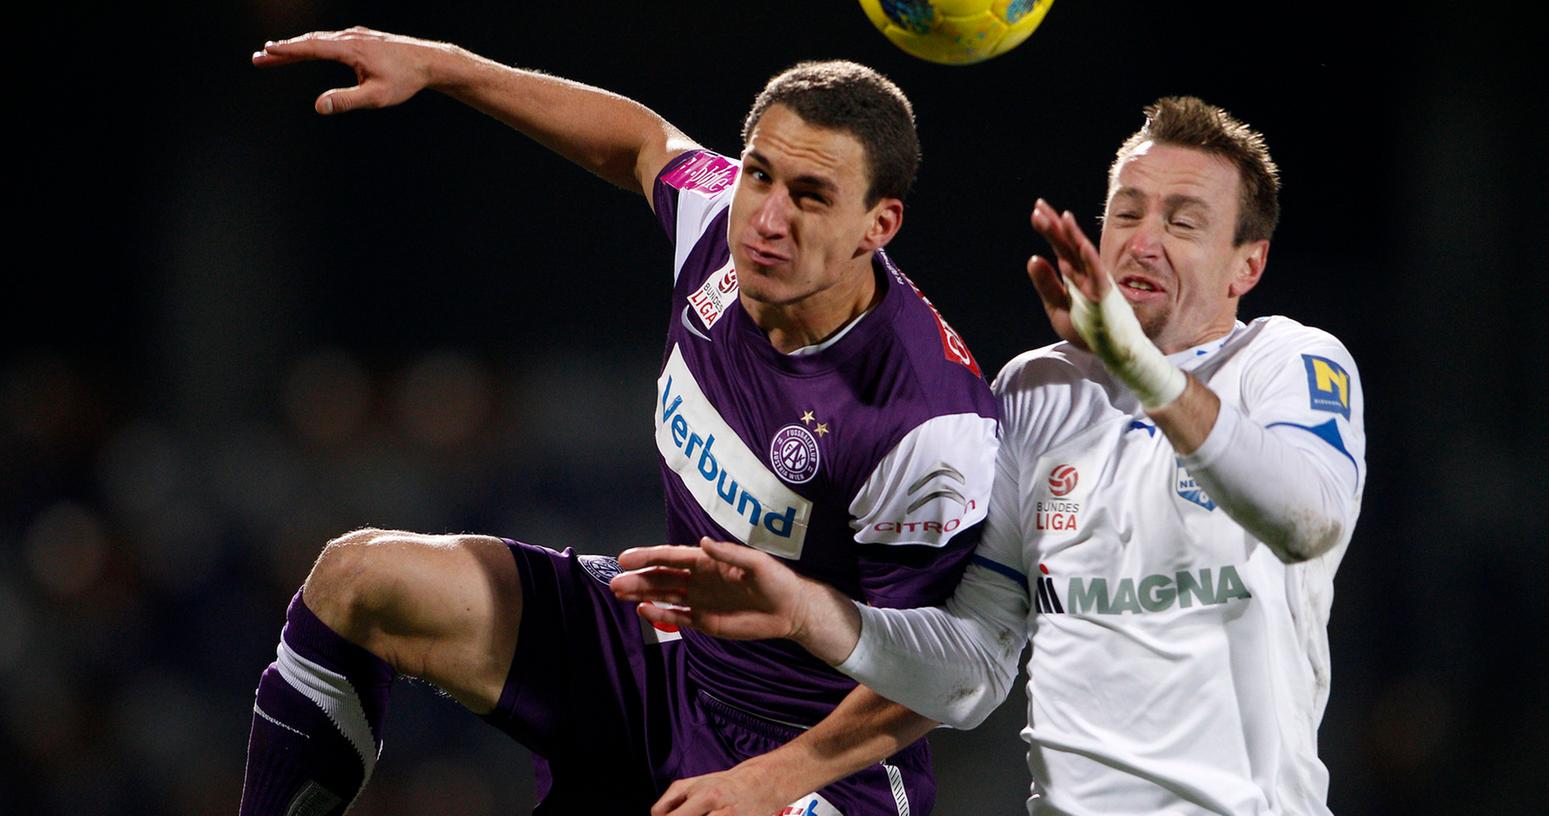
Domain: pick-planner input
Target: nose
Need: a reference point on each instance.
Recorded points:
(1145, 243)
(772, 219)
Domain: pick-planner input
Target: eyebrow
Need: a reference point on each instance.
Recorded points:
(806, 180)
(1174, 202)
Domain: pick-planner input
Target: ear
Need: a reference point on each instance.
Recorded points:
(885, 219)
(1253, 257)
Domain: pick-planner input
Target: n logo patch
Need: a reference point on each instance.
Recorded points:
(1328, 384)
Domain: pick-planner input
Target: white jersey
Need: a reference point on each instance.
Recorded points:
(1179, 665)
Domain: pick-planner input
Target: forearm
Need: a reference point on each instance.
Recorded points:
(1291, 493)
(862, 730)
(611, 136)
(1188, 420)
(948, 664)
(826, 622)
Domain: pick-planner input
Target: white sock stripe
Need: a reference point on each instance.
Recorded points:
(334, 694)
(260, 712)
(895, 778)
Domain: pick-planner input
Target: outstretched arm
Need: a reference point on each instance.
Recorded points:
(611, 136)
(1295, 491)
(952, 664)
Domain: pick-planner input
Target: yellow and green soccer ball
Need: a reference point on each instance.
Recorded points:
(956, 32)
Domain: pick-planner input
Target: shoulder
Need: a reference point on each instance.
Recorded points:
(1050, 393)
(1056, 364)
(1276, 334)
(932, 357)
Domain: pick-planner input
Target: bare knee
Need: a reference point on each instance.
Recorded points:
(350, 586)
(441, 607)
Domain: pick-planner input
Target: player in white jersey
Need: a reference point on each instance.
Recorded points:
(1174, 492)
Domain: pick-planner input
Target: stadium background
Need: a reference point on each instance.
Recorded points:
(235, 329)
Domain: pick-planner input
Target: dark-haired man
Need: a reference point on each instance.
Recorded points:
(811, 404)
(1173, 493)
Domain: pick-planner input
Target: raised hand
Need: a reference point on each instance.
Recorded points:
(389, 69)
(1079, 264)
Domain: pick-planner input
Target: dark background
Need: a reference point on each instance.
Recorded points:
(235, 329)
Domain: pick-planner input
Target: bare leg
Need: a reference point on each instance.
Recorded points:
(378, 603)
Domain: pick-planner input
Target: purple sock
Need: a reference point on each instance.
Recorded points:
(317, 722)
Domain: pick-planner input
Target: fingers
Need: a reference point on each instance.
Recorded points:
(671, 800)
(745, 559)
(342, 100)
(1046, 279)
(343, 47)
(667, 555)
(1077, 259)
(651, 584)
(656, 613)
(323, 45)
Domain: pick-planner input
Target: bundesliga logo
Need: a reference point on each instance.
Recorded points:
(1059, 515)
(1063, 479)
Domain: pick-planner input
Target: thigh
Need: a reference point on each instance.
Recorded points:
(443, 608)
(593, 690)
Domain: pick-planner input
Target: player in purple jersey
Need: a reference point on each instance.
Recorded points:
(811, 403)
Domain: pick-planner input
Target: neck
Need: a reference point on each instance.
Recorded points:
(816, 317)
(1215, 331)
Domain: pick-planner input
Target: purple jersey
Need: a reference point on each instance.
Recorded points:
(858, 462)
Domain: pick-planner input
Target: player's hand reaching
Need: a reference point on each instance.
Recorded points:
(1086, 308)
(1078, 264)
(732, 591)
(735, 792)
(388, 68)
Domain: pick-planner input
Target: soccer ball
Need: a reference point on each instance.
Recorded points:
(956, 32)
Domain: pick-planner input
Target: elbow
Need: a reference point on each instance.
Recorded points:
(1305, 539)
(971, 705)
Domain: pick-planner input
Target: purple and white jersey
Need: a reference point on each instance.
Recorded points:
(859, 463)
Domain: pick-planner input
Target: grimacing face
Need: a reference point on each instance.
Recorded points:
(799, 222)
(1167, 239)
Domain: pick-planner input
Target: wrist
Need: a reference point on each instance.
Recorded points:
(1113, 333)
(825, 622)
(446, 67)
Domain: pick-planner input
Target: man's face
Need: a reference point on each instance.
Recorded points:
(799, 221)
(1167, 238)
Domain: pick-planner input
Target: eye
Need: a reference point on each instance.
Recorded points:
(809, 198)
(1125, 215)
(1183, 224)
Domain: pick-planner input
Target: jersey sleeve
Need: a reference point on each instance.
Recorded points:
(955, 664)
(1290, 465)
(689, 192)
(918, 516)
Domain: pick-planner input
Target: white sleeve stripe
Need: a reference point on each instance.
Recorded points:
(1328, 432)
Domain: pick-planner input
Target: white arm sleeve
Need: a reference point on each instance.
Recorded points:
(1288, 487)
(1290, 464)
(956, 664)
(953, 665)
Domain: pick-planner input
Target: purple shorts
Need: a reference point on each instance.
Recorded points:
(607, 706)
